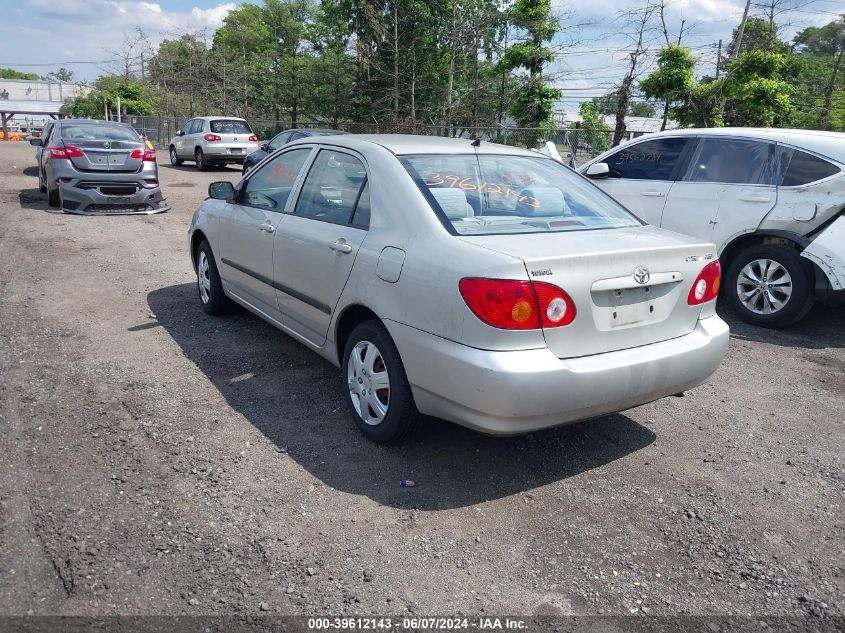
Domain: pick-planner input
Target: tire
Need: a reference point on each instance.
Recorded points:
(174, 157)
(199, 159)
(397, 415)
(212, 298)
(54, 198)
(770, 286)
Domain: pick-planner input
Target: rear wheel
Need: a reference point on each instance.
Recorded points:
(54, 198)
(212, 298)
(174, 157)
(199, 159)
(770, 285)
(380, 397)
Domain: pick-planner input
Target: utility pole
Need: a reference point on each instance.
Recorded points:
(142, 65)
(738, 41)
(718, 58)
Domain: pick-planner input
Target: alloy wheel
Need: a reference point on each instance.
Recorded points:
(764, 286)
(369, 383)
(203, 279)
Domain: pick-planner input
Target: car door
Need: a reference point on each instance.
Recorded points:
(642, 174)
(728, 189)
(316, 245)
(181, 139)
(247, 227)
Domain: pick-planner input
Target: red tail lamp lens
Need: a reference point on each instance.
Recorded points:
(517, 305)
(212, 137)
(253, 137)
(706, 286)
(556, 307)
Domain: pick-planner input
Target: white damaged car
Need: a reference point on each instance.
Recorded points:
(773, 202)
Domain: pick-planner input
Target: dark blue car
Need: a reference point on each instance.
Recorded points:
(283, 138)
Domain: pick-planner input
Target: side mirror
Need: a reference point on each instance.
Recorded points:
(37, 142)
(598, 170)
(265, 147)
(180, 133)
(221, 190)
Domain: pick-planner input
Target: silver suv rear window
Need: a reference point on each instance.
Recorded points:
(230, 126)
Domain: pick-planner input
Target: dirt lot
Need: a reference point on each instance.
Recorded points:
(159, 461)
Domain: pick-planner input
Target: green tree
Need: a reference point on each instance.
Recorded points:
(756, 94)
(11, 73)
(61, 74)
(134, 99)
(596, 133)
(672, 79)
(825, 44)
(534, 100)
(609, 104)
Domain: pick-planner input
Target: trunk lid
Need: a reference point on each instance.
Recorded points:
(596, 268)
(106, 155)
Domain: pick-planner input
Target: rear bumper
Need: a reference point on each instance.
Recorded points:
(506, 393)
(230, 154)
(78, 197)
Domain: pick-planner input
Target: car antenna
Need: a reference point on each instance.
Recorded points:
(476, 143)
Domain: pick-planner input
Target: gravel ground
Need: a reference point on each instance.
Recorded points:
(160, 461)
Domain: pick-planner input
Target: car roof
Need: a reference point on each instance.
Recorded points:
(403, 144)
(94, 121)
(214, 118)
(314, 130)
(830, 144)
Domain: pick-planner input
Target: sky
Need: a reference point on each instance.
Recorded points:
(89, 36)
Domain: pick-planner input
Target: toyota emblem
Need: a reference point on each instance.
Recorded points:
(641, 275)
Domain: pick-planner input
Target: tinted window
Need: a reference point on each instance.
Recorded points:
(296, 135)
(361, 217)
(196, 127)
(489, 194)
(649, 160)
(96, 131)
(800, 168)
(230, 126)
(332, 187)
(732, 161)
(278, 141)
(270, 186)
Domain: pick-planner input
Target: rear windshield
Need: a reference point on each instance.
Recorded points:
(98, 131)
(481, 194)
(230, 126)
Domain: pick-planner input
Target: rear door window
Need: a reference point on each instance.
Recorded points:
(733, 161)
(658, 159)
(332, 188)
(269, 187)
(230, 126)
(196, 127)
(800, 168)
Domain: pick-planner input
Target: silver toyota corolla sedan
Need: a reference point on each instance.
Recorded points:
(98, 168)
(478, 283)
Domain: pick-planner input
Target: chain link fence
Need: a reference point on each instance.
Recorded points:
(575, 144)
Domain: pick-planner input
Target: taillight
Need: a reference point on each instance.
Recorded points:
(144, 154)
(150, 182)
(68, 151)
(212, 137)
(706, 286)
(556, 307)
(253, 137)
(517, 305)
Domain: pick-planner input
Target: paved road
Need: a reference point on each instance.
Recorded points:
(157, 460)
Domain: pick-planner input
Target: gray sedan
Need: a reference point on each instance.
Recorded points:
(98, 167)
(478, 283)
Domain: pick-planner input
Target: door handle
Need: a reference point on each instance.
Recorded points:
(755, 198)
(267, 228)
(341, 246)
(653, 193)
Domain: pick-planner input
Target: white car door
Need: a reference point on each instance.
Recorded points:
(642, 174)
(728, 189)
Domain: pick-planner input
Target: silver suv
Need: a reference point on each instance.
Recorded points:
(213, 140)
